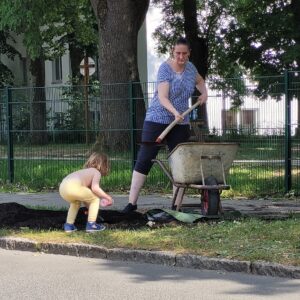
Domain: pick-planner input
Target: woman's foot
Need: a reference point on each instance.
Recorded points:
(129, 208)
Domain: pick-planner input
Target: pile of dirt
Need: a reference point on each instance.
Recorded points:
(14, 215)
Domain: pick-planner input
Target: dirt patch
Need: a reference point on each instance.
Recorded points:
(14, 215)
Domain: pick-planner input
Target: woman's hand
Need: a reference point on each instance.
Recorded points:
(202, 99)
(201, 87)
(178, 117)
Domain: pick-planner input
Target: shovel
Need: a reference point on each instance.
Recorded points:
(168, 129)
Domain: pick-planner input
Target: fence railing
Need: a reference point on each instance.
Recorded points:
(46, 133)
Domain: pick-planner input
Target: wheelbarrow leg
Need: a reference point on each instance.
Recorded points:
(220, 206)
(175, 196)
(178, 197)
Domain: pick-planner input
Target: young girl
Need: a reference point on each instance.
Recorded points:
(83, 186)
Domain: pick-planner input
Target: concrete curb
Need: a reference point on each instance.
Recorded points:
(153, 257)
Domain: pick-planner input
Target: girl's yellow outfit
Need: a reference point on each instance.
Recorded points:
(72, 190)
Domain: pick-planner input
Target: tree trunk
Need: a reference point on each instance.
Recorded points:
(76, 55)
(119, 22)
(39, 125)
(199, 57)
(295, 5)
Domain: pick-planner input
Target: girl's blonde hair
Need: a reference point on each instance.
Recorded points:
(98, 161)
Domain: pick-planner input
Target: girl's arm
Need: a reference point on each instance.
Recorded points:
(96, 189)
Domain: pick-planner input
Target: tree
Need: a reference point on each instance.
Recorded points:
(267, 42)
(182, 18)
(20, 18)
(6, 76)
(75, 26)
(242, 38)
(47, 27)
(199, 46)
(119, 22)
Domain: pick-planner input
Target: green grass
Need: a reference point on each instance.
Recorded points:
(247, 239)
(42, 168)
(41, 175)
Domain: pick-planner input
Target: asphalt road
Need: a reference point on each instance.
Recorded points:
(27, 275)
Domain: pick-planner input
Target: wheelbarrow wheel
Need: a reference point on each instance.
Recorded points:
(210, 199)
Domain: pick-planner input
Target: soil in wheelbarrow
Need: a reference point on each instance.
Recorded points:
(15, 216)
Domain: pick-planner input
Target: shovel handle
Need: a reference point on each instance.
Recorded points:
(171, 125)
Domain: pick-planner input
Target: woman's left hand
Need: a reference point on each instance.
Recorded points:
(201, 87)
(202, 99)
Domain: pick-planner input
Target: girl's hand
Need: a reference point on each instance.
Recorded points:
(108, 201)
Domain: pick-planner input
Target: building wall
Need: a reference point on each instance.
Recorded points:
(19, 65)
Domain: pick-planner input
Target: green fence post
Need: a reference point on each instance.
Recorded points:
(132, 126)
(287, 137)
(10, 145)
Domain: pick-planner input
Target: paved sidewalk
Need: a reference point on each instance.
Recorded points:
(260, 207)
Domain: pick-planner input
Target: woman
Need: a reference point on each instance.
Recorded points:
(176, 82)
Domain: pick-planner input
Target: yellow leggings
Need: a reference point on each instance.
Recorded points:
(73, 192)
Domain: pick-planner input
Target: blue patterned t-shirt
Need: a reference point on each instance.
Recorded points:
(181, 87)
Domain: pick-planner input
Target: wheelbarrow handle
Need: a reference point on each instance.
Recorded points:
(171, 125)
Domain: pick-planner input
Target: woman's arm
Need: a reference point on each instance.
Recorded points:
(201, 87)
(163, 95)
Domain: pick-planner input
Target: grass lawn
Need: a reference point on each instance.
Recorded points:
(257, 172)
(247, 180)
(247, 239)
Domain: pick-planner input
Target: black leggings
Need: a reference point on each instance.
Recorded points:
(148, 150)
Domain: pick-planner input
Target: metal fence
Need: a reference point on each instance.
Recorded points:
(46, 133)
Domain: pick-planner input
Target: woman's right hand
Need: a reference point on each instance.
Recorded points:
(178, 117)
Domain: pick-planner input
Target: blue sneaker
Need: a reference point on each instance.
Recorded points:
(94, 227)
(69, 227)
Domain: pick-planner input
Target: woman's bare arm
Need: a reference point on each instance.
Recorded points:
(163, 95)
(201, 87)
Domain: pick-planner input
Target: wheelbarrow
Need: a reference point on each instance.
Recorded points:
(201, 166)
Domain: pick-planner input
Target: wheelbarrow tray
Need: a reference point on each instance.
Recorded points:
(191, 162)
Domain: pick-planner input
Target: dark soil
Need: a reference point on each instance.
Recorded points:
(14, 215)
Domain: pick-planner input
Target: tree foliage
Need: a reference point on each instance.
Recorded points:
(6, 76)
(242, 38)
(46, 28)
(50, 27)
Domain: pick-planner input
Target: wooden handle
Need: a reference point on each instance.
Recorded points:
(168, 129)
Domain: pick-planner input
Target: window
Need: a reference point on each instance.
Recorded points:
(57, 70)
(229, 120)
(242, 121)
(248, 118)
